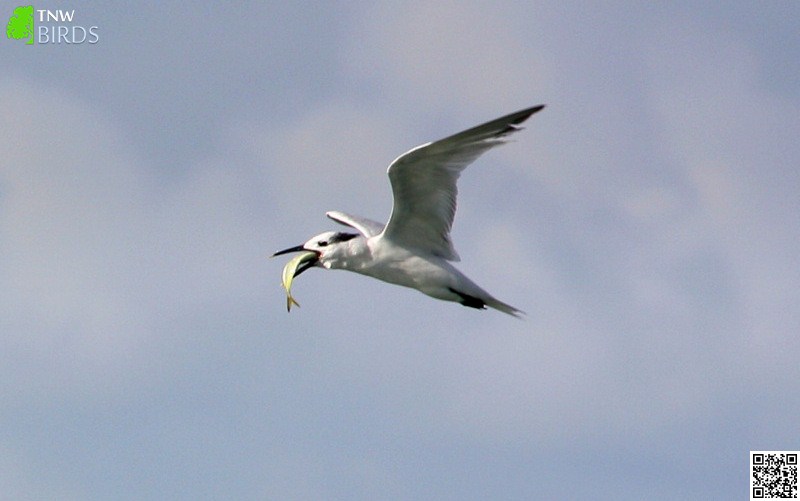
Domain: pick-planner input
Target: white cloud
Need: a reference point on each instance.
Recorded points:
(68, 191)
(447, 56)
(333, 158)
(725, 133)
(98, 259)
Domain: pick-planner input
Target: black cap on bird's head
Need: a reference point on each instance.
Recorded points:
(319, 244)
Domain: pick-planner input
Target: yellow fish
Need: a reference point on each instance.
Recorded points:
(290, 271)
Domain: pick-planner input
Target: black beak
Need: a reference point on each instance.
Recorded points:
(298, 248)
(304, 265)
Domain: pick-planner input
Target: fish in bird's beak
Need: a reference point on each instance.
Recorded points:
(294, 267)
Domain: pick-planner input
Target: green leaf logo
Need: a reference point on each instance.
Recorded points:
(20, 24)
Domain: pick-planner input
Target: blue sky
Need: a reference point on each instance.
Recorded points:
(648, 221)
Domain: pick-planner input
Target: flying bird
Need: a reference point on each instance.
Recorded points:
(414, 248)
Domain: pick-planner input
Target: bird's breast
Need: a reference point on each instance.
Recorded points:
(402, 266)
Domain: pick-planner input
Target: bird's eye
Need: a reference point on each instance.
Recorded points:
(322, 243)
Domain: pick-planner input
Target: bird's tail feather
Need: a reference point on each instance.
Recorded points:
(480, 299)
(505, 308)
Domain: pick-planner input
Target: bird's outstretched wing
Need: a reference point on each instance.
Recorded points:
(366, 227)
(424, 184)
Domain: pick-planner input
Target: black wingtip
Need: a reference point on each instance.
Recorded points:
(526, 114)
(515, 119)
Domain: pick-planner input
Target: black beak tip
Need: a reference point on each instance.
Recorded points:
(297, 248)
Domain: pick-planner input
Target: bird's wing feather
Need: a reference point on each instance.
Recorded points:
(424, 184)
(366, 227)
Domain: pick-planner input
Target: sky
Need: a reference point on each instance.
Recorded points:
(648, 222)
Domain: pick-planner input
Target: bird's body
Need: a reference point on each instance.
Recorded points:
(414, 249)
(380, 258)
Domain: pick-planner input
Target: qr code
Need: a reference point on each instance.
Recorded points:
(773, 474)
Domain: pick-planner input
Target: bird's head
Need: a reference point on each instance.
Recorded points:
(330, 247)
